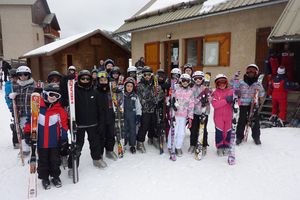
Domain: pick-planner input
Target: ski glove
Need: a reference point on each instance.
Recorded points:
(229, 99)
(137, 119)
(12, 95)
(237, 93)
(189, 125)
(64, 147)
(27, 138)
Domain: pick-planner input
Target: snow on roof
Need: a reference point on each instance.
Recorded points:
(48, 48)
(209, 4)
(159, 4)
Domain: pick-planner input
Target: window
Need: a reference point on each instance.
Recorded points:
(193, 55)
(1, 41)
(222, 43)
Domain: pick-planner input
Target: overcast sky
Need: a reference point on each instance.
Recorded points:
(76, 16)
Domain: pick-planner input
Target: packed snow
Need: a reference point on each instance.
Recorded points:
(209, 4)
(269, 171)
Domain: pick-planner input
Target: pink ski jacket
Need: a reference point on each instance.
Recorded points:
(185, 98)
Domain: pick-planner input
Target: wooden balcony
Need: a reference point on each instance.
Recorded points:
(51, 33)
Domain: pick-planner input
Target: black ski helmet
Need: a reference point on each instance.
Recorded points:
(94, 71)
(13, 72)
(109, 61)
(147, 69)
(115, 70)
(84, 73)
(53, 73)
(53, 87)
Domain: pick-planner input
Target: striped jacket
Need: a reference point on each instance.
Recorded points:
(248, 92)
(52, 125)
(185, 99)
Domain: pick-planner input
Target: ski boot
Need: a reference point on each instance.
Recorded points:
(46, 184)
(56, 182)
(273, 118)
(238, 141)
(111, 155)
(140, 146)
(100, 163)
(70, 173)
(178, 152)
(191, 149)
(279, 123)
(132, 149)
(226, 151)
(257, 141)
(150, 141)
(204, 151)
(156, 143)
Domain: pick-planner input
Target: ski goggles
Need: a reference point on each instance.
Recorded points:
(175, 76)
(102, 74)
(23, 74)
(147, 74)
(85, 78)
(184, 80)
(52, 94)
(251, 70)
(198, 78)
(221, 81)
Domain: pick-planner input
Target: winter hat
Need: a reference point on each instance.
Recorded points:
(253, 66)
(281, 70)
(109, 61)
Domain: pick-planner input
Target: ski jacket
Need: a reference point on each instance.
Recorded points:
(287, 60)
(280, 86)
(8, 90)
(131, 104)
(185, 99)
(52, 125)
(148, 95)
(86, 107)
(247, 92)
(222, 110)
(199, 91)
(107, 115)
(24, 89)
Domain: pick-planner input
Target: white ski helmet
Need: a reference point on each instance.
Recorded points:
(198, 73)
(72, 68)
(131, 69)
(219, 76)
(23, 69)
(185, 76)
(253, 66)
(176, 71)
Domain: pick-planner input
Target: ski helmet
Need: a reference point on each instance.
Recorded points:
(198, 73)
(253, 66)
(72, 68)
(176, 71)
(220, 77)
(53, 87)
(51, 93)
(147, 69)
(94, 71)
(131, 69)
(23, 69)
(187, 66)
(281, 70)
(109, 61)
(129, 80)
(115, 70)
(53, 73)
(84, 73)
(13, 72)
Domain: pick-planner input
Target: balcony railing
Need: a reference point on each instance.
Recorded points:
(51, 33)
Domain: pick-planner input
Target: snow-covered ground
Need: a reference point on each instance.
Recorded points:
(267, 172)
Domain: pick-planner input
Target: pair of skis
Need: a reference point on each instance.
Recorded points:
(172, 119)
(204, 101)
(159, 120)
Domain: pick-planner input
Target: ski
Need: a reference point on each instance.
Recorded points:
(172, 120)
(204, 101)
(235, 118)
(73, 130)
(253, 108)
(35, 110)
(159, 127)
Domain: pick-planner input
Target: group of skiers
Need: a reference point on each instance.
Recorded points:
(107, 106)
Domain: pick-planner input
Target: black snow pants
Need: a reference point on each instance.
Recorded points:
(48, 163)
(195, 131)
(148, 124)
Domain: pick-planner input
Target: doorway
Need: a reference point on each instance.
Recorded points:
(171, 55)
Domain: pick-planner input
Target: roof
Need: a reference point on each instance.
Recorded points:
(186, 11)
(17, 2)
(51, 19)
(287, 28)
(54, 47)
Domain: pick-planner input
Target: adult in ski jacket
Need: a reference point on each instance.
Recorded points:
(279, 89)
(222, 99)
(247, 89)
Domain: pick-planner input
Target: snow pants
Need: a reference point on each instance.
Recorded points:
(25, 147)
(94, 141)
(280, 103)
(243, 117)
(148, 124)
(195, 131)
(48, 163)
(223, 132)
(109, 137)
(179, 132)
(130, 128)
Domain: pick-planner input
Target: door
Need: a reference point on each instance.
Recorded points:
(171, 54)
(152, 55)
(262, 48)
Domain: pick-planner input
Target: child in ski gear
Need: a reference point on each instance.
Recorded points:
(222, 99)
(13, 78)
(247, 88)
(201, 109)
(94, 78)
(108, 63)
(132, 72)
(22, 94)
(149, 99)
(188, 69)
(107, 118)
(279, 89)
(87, 117)
(184, 110)
(132, 113)
(52, 135)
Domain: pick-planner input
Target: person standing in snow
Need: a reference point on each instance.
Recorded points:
(279, 89)
(52, 135)
(22, 94)
(87, 118)
(64, 85)
(13, 78)
(184, 112)
(246, 89)
(149, 99)
(132, 113)
(222, 99)
(5, 68)
(201, 108)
